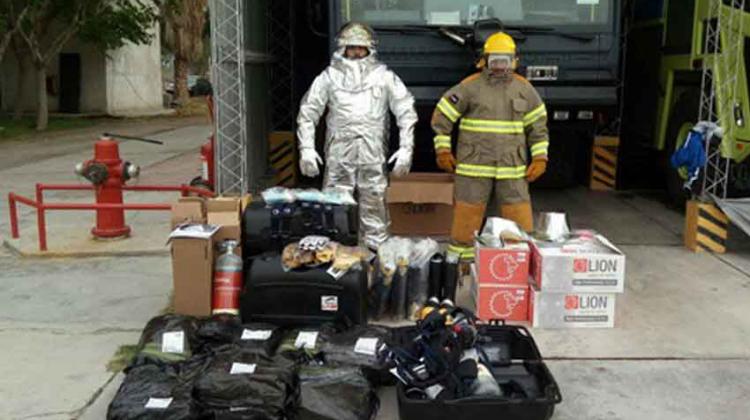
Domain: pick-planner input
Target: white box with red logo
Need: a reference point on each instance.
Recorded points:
(508, 265)
(509, 302)
(585, 263)
(571, 310)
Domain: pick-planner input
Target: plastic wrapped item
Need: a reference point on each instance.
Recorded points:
(246, 385)
(340, 393)
(218, 331)
(498, 230)
(310, 195)
(278, 195)
(304, 343)
(167, 339)
(158, 392)
(485, 385)
(356, 346)
(338, 196)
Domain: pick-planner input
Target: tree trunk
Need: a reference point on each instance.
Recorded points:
(181, 70)
(23, 69)
(42, 115)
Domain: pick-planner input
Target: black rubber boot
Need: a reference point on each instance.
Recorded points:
(436, 277)
(450, 281)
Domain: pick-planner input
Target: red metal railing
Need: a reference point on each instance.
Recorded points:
(41, 207)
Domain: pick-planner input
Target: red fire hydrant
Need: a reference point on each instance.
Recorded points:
(108, 173)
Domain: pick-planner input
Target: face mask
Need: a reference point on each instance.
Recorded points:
(500, 63)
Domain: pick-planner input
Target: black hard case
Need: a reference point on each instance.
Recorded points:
(295, 297)
(514, 357)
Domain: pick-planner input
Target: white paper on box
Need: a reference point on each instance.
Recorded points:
(257, 335)
(242, 368)
(306, 340)
(572, 310)
(173, 342)
(367, 346)
(158, 403)
(588, 2)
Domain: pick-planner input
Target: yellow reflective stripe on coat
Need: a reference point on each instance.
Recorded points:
(442, 141)
(495, 172)
(448, 110)
(491, 126)
(540, 148)
(461, 251)
(535, 115)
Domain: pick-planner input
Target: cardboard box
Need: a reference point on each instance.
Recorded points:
(503, 266)
(509, 303)
(590, 266)
(227, 213)
(421, 204)
(192, 273)
(188, 210)
(571, 310)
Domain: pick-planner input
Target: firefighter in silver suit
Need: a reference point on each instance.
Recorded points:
(358, 91)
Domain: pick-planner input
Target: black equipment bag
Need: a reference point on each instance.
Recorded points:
(272, 228)
(530, 391)
(308, 296)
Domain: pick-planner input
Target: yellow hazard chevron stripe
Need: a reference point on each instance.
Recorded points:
(448, 110)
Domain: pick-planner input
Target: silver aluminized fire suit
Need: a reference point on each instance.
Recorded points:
(358, 94)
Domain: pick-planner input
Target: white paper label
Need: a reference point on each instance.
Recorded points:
(242, 368)
(173, 342)
(158, 403)
(366, 346)
(329, 303)
(590, 2)
(306, 340)
(259, 335)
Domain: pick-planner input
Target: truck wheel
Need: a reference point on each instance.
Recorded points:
(683, 117)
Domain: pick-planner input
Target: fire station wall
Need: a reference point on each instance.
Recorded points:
(93, 81)
(127, 82)
(134, 82)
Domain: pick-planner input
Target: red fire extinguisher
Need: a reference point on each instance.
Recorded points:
(227, 280)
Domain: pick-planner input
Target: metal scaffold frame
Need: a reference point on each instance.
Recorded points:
(228, 78)
(280, 34)
(719, 94)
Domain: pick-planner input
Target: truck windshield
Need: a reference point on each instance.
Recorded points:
(578, 13)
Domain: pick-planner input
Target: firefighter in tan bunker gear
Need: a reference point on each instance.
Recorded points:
(502, 124)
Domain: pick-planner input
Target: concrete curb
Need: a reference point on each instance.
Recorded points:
(16, 250)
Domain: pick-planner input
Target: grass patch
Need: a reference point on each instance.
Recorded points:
(196, 106)
(10, 128)
(122, 358)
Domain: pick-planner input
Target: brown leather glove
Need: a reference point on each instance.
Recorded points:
(445, 160)
(537, 168)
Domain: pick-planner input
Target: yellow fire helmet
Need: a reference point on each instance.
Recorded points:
(499, 43)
